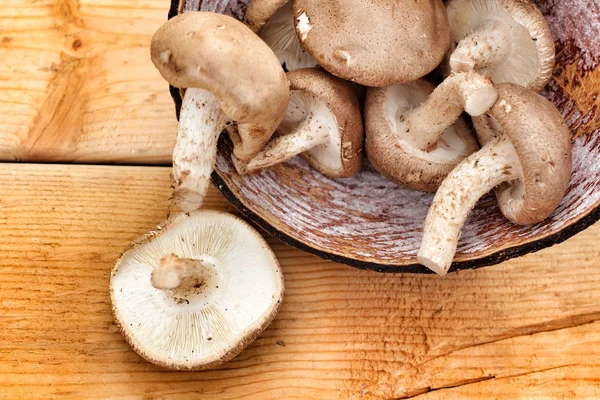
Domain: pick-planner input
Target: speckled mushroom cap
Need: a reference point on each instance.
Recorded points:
(220, 54)
(541, 140)
(532, 59)
(374, 43)
(397, 159)
(341, 100)
(203, 326)
(260, 11)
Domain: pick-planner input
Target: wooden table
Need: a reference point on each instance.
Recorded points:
(77, 85)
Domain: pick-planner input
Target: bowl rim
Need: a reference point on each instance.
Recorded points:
(572, 228)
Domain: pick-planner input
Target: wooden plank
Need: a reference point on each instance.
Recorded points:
(341, 334)
(549, 364)
(77, 82)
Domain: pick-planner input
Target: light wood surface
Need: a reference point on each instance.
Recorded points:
(527, 329)
(77, 82)
(77, 85)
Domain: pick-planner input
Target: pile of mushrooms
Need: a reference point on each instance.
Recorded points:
(494, 56)
(195, 291)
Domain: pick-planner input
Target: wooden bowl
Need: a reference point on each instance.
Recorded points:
(369, 222)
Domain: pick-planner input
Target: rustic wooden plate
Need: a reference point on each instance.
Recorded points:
(368, 222)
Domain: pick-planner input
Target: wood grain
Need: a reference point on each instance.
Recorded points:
(527, 329)
(78, 85)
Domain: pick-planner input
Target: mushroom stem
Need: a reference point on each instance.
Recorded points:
(200, 124)
(470, 92)
(311, 132)
(495, 163)
(488, 45)
(175, 272)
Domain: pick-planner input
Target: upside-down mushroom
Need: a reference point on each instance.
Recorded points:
(415, 133)
(508, 39)
(374, 43)
(193, 293)
(273, 21)
(526, 155)
(323, 122)
(230, 75)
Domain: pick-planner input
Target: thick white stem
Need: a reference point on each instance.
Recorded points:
(175, 272)
(468, 92)
(495, 163)
(488, 45)
(310, 132)
(200, 123)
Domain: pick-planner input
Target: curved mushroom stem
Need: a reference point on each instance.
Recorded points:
(470, 92)
(249, 139)
(175, 272)
(489, 44)
(200, 124)
(311, 132)
(495, 163)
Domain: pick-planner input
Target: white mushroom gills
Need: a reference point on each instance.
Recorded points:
(226, 288)
(494, 41)
(460, 92)
(279, 33)
(489, 45)
(309, 126)
(399, 100)
(200, 124)
(497, 162)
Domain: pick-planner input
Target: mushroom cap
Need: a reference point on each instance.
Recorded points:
(198, 328)
(259, 12)
(397, 159)
(533, 56)
(542, 142)
(342, 156)
(220, 54)
(374, 43)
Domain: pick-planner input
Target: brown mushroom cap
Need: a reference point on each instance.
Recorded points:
(219, 54)
(260, 11)
(532, 57)
(397, 159)
(541, 140)
(340, 98)
(374, 43)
